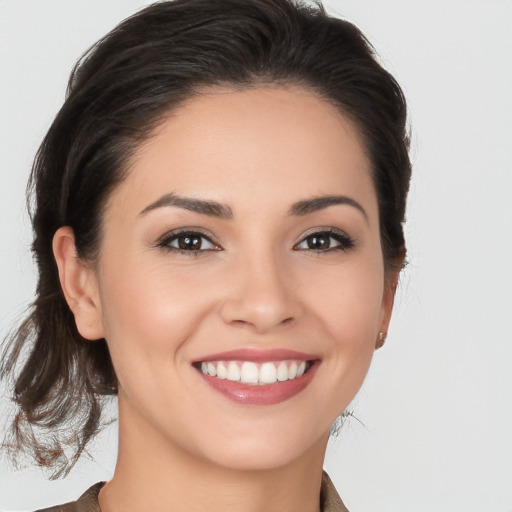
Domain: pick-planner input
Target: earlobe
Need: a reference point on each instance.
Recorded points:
(381, 339)
(79, 285)
(388, 300)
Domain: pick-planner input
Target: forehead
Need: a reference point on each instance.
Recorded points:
(259, 143)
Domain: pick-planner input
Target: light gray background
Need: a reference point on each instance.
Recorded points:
(437, 404)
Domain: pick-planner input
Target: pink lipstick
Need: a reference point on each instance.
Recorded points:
(258, 377)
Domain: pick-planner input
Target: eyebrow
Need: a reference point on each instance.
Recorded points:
(205, 207)
(215, 209)
(319, 203)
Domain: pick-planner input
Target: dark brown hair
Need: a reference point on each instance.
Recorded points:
(117, 94)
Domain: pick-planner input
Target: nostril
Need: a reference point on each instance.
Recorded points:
(288, 320)
(260, 309)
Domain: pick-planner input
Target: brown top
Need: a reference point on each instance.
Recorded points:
(88, 502)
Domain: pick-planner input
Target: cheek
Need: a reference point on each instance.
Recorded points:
(347, 304)
(151, 314)
(347, 298)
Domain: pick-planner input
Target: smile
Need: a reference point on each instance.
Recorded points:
(258, 377)
(252, 373)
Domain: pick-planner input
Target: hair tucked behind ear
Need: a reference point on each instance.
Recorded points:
(118, 93)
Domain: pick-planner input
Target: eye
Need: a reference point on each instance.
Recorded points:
(190, 242)
(325, 240)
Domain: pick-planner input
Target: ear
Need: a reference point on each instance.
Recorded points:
(79, 285)
(388, 299)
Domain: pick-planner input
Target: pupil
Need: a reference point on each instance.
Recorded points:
(318, 242)
(190, 243)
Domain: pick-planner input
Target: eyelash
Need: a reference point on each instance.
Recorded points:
(345, 242)
(165, 242)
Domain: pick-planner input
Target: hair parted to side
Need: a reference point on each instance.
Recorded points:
(117, 94)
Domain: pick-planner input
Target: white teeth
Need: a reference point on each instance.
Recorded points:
(268, 373)
(292, 371)
(282, 372)
(212, 369)
(221, 371)
(233, 371)
(249, 372)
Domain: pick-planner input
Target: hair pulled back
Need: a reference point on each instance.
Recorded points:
(117, 94)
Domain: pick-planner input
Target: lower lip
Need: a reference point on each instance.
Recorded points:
(266, 394)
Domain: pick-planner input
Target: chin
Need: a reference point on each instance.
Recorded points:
(258, 452)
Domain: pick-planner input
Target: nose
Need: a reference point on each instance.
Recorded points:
(263, 296)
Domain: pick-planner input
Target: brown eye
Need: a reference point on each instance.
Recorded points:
(188, 241)
(323, 241)
(318, 242)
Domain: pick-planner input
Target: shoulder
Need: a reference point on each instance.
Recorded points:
(330, 500)
(88, 502)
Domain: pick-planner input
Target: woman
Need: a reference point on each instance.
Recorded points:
(218, 229)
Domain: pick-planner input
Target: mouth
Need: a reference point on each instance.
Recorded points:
(258, 377)
(255, 373)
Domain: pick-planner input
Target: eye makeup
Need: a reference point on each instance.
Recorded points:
(325, 240)
(188, 241)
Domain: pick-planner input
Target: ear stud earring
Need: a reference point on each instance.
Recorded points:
(381, 339)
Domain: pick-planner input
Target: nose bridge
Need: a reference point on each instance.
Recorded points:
(262, 295)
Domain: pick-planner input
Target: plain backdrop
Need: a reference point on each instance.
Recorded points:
(434, 428)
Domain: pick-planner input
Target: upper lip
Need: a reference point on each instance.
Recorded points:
(257, 355)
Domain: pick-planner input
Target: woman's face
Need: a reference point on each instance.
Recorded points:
(245, 239)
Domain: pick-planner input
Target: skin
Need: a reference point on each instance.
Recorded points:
(259, 285)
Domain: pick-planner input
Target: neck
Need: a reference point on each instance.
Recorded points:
(154, 474)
